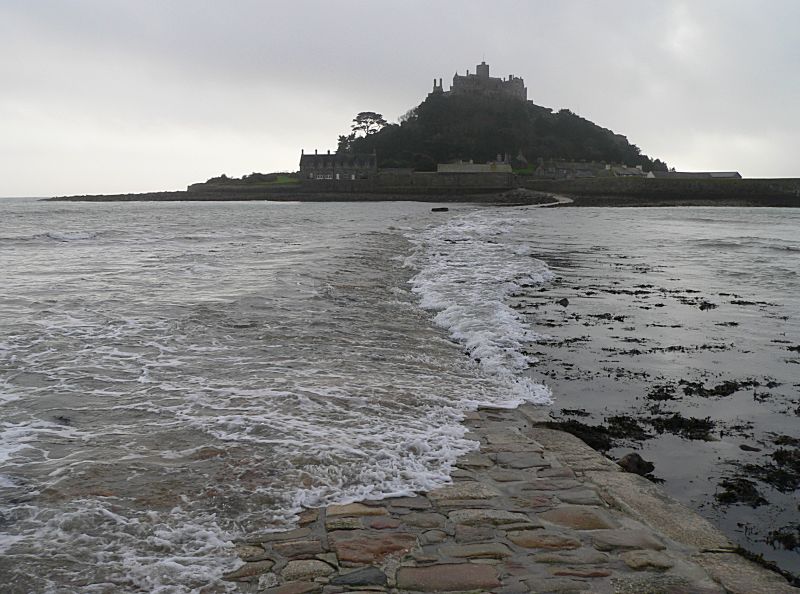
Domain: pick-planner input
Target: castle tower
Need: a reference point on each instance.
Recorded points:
(482, 70)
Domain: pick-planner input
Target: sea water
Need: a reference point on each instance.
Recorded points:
(177, 375)
(174, 376)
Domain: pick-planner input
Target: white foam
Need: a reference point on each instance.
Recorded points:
(465, 274)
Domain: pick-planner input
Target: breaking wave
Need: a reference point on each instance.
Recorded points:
(466, 273)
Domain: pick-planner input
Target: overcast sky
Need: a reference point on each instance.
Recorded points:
(103, 96)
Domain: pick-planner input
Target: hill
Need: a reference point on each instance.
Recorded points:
(447, 127)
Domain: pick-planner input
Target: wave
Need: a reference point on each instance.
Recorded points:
(466, 273)
(760, 243)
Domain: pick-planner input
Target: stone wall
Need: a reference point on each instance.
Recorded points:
(669, 188)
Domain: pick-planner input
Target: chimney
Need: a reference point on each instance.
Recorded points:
(302, 152)
(315, 151)
(329, 151)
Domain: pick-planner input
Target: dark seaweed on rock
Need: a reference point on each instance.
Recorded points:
(688, 427)
(719, 391)
(783, 475)
(787, 440)
(595, 436)
(787, 537)
(575, 412)
(624, 426)
(662, 392)
(740, 490)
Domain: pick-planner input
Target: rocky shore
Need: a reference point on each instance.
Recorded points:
(534, 510)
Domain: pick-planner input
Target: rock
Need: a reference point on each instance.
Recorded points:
(368, 576)
(562, 584)
(582, 556)
(329, 558)
(580, 496)
(543, 539)
(664, 584)
(298, 548)
(504, 475)
(424, 520)
(578, 517)
(748, 448)
(607, 540)
(562, 472)
(474, 460)
(463, 490)
(306, 570)
(295, 588)
(440, 209)
(489, 550)
(552, 484)
(511, 436)
(343, 524)
(646, 502)
(563, 302)
(474, 533)
(581, 572)
(495, 517)
(634, 463)
(741, 576)
(447, 578)
(267, 580)
(288, 535)
(307, 517)
(354, 509)
(410, 502)
(249, 570)
(432, 537)
(369, 546)
(538, 502)
(521, 460)
(383, 523)
(640, 560)
(251, 553)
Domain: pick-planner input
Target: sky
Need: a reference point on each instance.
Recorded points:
(113, 96)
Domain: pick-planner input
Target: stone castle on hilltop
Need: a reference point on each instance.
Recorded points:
(481, 83)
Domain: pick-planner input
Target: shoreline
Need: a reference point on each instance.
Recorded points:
(532, 510)
(777, 192)
(545, 199)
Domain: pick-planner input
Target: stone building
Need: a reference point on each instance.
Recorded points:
(481, 83)
(337, 166)
(498, 166)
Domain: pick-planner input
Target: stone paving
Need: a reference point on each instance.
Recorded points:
(535, 510)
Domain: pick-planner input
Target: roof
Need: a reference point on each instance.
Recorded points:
(697, 174)
(326, 160)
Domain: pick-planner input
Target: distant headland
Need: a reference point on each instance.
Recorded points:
(483, 140)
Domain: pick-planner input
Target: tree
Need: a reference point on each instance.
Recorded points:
(368, 122)
(345, 143)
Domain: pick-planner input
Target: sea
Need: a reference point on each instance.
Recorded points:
(175, 376)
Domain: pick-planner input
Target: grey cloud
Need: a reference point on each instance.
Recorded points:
(166, 93)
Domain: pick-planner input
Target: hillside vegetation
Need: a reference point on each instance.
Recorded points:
(444, 128)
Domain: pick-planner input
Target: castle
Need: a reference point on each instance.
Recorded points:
(481, 83)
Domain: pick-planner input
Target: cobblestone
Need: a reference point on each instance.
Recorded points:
(535, 510)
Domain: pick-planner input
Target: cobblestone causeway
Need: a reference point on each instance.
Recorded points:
(535, 510)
